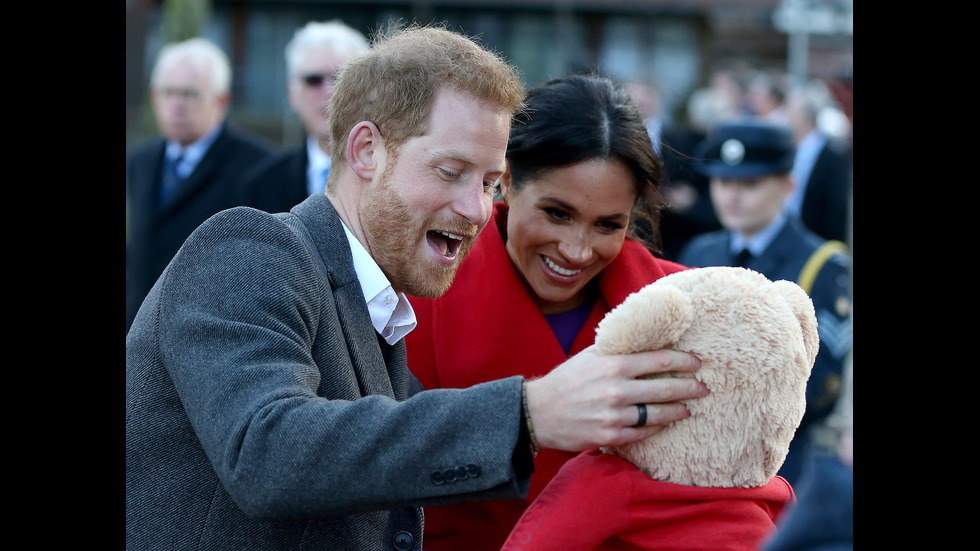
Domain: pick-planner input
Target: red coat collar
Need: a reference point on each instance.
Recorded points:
(487, 326)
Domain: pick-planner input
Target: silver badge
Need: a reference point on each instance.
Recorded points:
(732, 152)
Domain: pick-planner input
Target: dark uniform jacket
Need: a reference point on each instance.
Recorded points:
(263, 411)
(784, 259)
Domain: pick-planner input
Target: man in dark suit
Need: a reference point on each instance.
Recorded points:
(749, 163)
(821, 170)
(314, 56)
(268, 401)
(192, 171)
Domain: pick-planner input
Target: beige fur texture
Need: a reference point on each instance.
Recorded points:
(756, 339)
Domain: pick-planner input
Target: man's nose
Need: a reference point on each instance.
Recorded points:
(473, 203)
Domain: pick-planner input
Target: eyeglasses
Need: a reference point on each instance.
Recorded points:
(186, 94)
(317, 79)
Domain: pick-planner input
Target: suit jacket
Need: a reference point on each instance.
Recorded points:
(826, 199)
(600, 501)
(156, 234)
(279, 183)
(264, 412)
(488, 293)
(831, 296)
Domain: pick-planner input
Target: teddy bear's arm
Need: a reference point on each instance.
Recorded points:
(650, 319)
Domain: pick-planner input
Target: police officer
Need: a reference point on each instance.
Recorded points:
(749, 164)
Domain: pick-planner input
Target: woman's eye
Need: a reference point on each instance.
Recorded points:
(610, 226)
(555, 214)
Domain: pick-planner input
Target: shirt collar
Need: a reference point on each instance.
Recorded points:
(318, 162)
(391, 313)
(193, 152)
(758, 243)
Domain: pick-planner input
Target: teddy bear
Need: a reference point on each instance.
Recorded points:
(707, 481)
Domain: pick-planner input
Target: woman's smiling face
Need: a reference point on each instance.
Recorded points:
(565, 226)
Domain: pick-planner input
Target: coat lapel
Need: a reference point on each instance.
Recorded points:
(145, 185)
(776, 254)
(206, 171)
(323, 223)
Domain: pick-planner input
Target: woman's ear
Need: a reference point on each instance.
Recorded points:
(364, 149)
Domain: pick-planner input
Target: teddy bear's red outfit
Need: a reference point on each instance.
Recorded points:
(600, 501)
(487, 327)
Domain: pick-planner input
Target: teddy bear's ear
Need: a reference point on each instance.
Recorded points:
(650, 319)
(802, 306)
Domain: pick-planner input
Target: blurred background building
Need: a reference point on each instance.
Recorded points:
(675, 46)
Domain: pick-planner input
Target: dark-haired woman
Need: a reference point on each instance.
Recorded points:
(559, 252)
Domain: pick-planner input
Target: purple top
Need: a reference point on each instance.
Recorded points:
(567, 325)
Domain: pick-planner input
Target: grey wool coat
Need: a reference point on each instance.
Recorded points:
(263, 411)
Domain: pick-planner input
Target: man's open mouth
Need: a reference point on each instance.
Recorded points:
(445, 243)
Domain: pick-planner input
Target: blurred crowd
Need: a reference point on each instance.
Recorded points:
(821, 129)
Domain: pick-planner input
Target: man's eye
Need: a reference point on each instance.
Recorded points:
(448, 173)
(183, 93)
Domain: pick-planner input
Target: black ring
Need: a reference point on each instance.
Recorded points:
(642, 409)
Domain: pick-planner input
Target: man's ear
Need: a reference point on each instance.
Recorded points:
(364, 149)
(789, 184)
(224, 103)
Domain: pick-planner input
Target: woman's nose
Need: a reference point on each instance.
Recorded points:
(576, 246)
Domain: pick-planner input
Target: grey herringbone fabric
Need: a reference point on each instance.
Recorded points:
(262, 412)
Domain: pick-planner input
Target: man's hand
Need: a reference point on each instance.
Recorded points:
(591, 399)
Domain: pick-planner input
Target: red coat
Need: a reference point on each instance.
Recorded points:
(601, 501)
(487, 327)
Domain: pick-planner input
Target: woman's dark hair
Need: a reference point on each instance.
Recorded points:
(583, 117)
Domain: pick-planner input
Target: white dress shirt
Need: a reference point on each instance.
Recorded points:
(391, 313)
(191, 154)
(319, 164)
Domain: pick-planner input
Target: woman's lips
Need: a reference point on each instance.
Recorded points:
(559, 272)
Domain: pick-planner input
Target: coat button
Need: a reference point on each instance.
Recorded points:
(437, 478)
(403, 541)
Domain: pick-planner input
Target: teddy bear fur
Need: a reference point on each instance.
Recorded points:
(757, 340)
